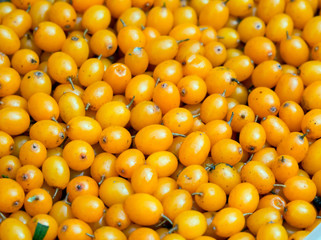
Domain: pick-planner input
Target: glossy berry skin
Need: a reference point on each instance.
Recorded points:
(259, 175)
(146, 141)
(49, 31)
(115, 190)
(10, 40)
(192, 177)
(190, 223)
(194, 149)
(205, 195)
(262, 217)
(252, 137)
(74, 228)
(87, 208)
(228, 221)
(143, 209)
(13, 196)
(244, 197)
(14, 229)
(10, 81)
(160, 49)
(272, 231)
(177, 201)
(299, 213)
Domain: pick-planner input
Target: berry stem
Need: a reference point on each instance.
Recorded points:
(55, 194)
(196, 115)
(173, 229)
(231, 118)
(246, 214)
(178, 135)
(183, 40)
(2, 215)
(303, 135)
(161, 223)
(54, 119)
(122, 22)
(66, 199)
(167, 219)
(87, 106)
(101, 180)
(131, 102)
(235, 80)
(250, 158)
(197, 193)
(85, 33)
(90, 235)
(157, 81)
(71, 83)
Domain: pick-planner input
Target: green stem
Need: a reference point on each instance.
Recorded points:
(54, 119)
(235, 80)
(196, 115)
(85, 33)
(173, 229)
(178, 135)
(87, 106)
(288, 37)
(122, 22)
(246, 214)
(231, 118)
(197, 193)
(303, 136)
(71, 82)
(3, 216)
(131, 102)
(62, 145)
(210, 166)
(157, 81)
(167, 219)
(183, 40)
(101, 180)
(55, 194)
(29, 7)
(66, 199)
(250, 158)
(161, 223)
(90, 235)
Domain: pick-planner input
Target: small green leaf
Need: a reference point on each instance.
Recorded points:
(4, 176)
(40, 232)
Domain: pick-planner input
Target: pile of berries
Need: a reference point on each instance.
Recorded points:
(160, 119)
